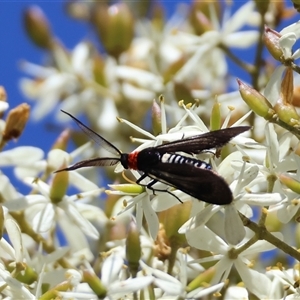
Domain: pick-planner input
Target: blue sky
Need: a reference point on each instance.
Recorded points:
(16, 46)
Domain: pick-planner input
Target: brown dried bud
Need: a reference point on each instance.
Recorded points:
(296, 96)
(16, 121)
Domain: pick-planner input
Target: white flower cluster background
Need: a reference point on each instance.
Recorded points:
(140, 80)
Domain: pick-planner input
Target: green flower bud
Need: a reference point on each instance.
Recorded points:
(133, 249)
(1, 220)
(200, 14)
(27, 275)
(215, 119)
(290, 182)
(156, 118)
(296, 4)
(99, 70)
(172, 219)
(94, 283)
(284, 109)
(59, 186)
(37, 27)
(271, 40)
(262, 6)
(52, 293)
(256, 101)
(115, 27)
(202, 279)
(128, 188)
(62, 140)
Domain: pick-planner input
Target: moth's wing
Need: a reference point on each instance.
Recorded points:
(101, 141)
(202, 184)
(93, 162)
(209, 140)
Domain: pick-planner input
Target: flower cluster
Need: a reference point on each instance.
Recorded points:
(85, 234)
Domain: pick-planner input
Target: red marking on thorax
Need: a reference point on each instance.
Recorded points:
(132, 160)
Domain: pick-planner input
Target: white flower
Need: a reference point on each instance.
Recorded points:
(287, 283)
(25, 158)
(72, 79)
(171, 286)
(207, 54)
(143, 203)
(14, 289)
(43, 214)
(256, 282)
(290, 35)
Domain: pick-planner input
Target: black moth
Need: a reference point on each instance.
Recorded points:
(161, 163)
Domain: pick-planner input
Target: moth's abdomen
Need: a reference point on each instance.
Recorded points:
(179, 159)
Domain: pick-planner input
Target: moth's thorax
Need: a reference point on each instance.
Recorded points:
(145, 159)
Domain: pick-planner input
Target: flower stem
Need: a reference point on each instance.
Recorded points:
(263, 234)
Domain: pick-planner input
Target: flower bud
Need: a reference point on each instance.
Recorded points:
(62, 140)
(133, 249)
(94, 283)
(290, 182)
(156, 118)
(99, 70)
(16, 121)
(158, 15)
(173, 68)
(204, 277)
(271, 40)
(296, 4)
(37, 27)
(172, 219)
(296, 233)
(3, 96)
(78, 10)
(287, 113)
(284, 109)
(1, 221)
(128, 188)
(114, 26)
(28, 275)
(256, 101)
(59, 186)
(262, 6)
(200, 14)
(297, 149)
(64, 286)
(183, 92)
(215, 119)
(296, 96)
(3, 99)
